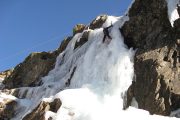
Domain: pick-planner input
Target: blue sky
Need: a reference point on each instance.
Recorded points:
(39, 25)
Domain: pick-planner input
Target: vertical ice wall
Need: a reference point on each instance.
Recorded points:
(102, 76)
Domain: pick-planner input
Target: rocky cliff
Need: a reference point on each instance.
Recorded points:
(157, 62)
(157, 65)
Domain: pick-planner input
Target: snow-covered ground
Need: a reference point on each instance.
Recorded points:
(172, 10)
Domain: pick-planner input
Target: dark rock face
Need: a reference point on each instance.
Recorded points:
(175, 101)
(39, 112)
(156, 66)
(149, 18)
(176, 25)
(28, 73)
(55, 105)
(7, 109)
(36, 65)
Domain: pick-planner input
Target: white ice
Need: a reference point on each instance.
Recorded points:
(4, 96)
(172, 10)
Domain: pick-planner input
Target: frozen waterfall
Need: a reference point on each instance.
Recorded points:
(98, 75)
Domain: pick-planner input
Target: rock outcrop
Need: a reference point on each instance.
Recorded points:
(7, 109)
(28, 73)
(36, 65)
(39, 112)
(157, 67)
(78, 28)
(5, 74)
(98, 22)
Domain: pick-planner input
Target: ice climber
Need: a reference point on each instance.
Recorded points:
(106, 32)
